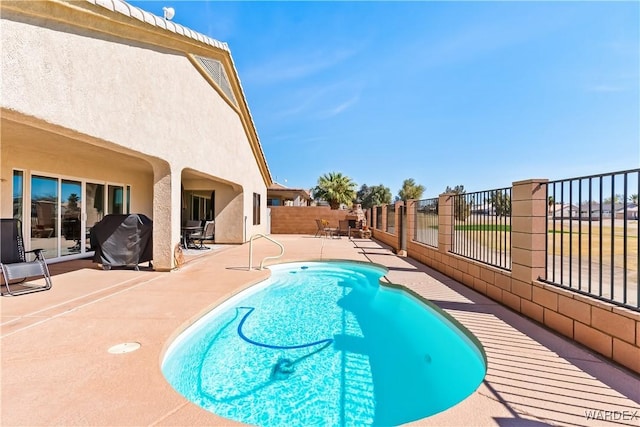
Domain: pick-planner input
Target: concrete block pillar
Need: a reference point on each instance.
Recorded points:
(384, 218)
(411, 219)
(445, 222)
(167, 205)
(528, 229)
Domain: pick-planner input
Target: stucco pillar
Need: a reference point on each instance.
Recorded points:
(167, 205)
(411, 220)
(528, 229)
(384, 217)
(445, 222)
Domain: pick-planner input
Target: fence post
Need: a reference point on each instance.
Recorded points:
(445, 222)
(384, 218)
(411, 219)
(528, 233)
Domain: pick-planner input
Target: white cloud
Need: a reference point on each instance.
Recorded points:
(605, 88)
(334, 111)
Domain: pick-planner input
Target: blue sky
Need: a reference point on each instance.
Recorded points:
(478, 94)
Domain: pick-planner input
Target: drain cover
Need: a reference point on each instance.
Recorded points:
(125, 347)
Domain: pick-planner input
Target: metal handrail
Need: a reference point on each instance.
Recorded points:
(265, 258)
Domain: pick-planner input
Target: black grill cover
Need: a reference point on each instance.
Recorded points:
(122, 240)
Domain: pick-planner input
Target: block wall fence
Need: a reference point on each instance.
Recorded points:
(302, 219)
(607, 329)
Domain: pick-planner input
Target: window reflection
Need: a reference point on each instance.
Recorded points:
(18, 189)
(44, 214)
(70, 210)
(116, 194)
(95, 207)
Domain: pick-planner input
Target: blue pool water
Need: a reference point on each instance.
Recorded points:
(322, 343)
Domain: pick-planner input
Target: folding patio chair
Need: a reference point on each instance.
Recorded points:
(16, 269)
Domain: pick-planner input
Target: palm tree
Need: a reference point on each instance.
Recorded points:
(633, 199)
(336, 189)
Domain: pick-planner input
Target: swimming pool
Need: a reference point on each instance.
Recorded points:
(322, 343)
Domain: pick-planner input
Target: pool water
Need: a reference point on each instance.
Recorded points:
(323, 343)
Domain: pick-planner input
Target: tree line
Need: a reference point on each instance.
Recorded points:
(338, 189)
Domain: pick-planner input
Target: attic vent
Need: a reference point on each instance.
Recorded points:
(215, 70)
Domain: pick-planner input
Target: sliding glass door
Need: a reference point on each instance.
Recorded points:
(71, 230)
(44, 215)
(63, 211)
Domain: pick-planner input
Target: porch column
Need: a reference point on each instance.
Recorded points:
(167, 206)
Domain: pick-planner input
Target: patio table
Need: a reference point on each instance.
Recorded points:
(187, 231)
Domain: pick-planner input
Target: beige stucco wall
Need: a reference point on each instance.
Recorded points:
(147, 100)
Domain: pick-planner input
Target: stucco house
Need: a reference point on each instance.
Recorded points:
(106, 108)
(280, 195)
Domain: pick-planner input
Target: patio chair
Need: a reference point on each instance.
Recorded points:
(13, 260)
(324, 230)
(343, 228)
(207, 233)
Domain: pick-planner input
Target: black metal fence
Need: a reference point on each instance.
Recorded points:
(593, 244)
(379, 217)
(426, 222)
(482, 226)
(391, 219)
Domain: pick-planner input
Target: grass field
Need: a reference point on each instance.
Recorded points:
(605, 242)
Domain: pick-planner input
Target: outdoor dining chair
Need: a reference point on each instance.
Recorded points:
(324, 230)
(207, 233)
(16, 269)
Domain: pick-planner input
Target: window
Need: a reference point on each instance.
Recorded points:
(18, 190)
(115, 198)
(201, 208)
(256, 209)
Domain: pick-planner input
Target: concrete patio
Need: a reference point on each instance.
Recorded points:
(56, 368)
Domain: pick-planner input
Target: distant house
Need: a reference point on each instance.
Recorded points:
(115, 110)
(564, 210)
(589, 210)
(631, 212)
(279, 195)
(483, 209)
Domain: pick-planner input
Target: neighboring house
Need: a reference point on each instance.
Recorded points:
(589, 210)
(483, 209)
(631, 212)
(115, 110)
(563, 210)
(279, 195)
